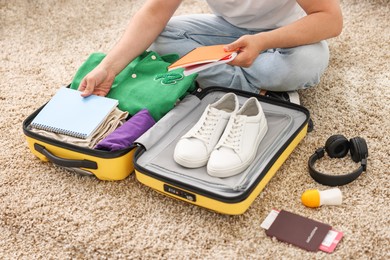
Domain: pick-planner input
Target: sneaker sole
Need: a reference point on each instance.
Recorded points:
(189, 164)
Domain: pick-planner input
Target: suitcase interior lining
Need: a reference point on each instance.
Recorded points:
(161, 140)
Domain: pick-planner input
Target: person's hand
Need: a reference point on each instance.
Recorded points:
(98, 82)
(248, 48)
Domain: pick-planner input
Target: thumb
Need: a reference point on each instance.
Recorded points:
(87, 86)
(234, 46)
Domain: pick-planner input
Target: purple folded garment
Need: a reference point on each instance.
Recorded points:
(126, 134)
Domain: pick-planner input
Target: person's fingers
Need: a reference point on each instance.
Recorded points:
(234, 46)
(82, 85)
(87, 87)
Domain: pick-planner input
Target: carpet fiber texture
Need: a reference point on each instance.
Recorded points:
(49, 213)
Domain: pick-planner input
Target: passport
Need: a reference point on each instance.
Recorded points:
(298, 230)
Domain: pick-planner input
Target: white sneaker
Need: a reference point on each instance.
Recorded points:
(290, 96)
(238, 145)
(194, 148)
(294, 97)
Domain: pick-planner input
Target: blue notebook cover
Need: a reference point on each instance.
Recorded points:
(67, 112)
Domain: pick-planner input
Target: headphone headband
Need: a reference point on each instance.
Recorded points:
(358, 150)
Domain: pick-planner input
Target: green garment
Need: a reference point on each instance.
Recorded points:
(144, 84)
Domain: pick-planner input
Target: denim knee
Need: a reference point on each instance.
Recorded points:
(291, 69)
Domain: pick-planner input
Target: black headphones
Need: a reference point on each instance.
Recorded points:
(337, 146)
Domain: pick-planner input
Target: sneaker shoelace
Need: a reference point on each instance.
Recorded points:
(206, 130)
(233, 138)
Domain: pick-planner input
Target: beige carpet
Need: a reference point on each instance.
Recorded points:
(49, 213)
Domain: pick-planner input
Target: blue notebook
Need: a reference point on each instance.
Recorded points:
(68, 113)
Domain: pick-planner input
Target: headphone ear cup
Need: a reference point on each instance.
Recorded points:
(358, 149)
(337, 146)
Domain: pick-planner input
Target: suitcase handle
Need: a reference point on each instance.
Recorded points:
(65, 162)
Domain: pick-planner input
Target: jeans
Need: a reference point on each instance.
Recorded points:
(274, 69)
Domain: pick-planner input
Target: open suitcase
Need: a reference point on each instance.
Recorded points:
(156, 168)
(151, 155)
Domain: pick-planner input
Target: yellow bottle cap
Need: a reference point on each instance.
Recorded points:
(311, 198)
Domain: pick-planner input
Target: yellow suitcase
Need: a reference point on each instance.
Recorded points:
(104, 165)
(155, 167)
(152, 154)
